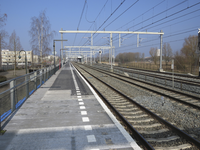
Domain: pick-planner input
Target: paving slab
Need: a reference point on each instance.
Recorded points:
(65, 114)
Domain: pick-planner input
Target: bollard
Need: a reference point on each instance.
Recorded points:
(27, 86)
(44, 75)
(35, 78)
(41, 77)
(47, 73)
(12, 95)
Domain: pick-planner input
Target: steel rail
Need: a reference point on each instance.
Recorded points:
(162, 77)
(130, 127)
(172, 127)
(153, 71)
(168, 89)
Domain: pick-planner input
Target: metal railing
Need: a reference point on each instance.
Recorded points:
(14, 92)
(6, 67)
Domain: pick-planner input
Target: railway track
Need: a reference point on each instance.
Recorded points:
(182, 83)
(188, 99)
(152, 131)
(163, 73)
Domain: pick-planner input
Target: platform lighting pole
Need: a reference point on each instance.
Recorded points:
(91, 49)
(161, 40)
(61, 48)
(199, 48)
(111, 43)
(119, 40)
(172, 67)
(54, 46)
(25, 59)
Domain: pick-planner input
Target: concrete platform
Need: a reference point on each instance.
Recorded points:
(65, 114)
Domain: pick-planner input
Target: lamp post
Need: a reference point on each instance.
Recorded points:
(54, 49)
(25, 59)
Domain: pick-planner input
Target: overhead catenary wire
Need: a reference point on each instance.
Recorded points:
(120, 15)
(162, 13)
(80, 20)
(168, 17)
(170, 21)
(81, 14)
(191, 30)
(139, 15)
(154, 15)
(158, 15)
(107, 18)
(96, 18)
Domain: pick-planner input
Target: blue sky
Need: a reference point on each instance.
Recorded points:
(177, 23)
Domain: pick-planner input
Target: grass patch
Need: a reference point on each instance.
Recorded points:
(2, 78)
(2, 132)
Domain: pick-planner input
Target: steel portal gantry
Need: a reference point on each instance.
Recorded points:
(87, 47)
(119, 32)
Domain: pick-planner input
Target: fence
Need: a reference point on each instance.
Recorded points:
(6, 67)
(14, 92)
(151, 78)
(151, 66)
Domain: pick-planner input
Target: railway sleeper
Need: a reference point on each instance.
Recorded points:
(127, 110)
(182, 147)
(155, 131)
(141, 121)
(132, 113)
(167, 139)
(134, 117)
(148, 126)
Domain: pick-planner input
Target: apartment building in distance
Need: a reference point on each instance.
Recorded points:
(8, 57)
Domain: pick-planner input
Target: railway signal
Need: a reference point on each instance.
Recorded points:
(100, 52)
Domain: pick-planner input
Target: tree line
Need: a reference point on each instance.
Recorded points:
(184, 59)
(40, 36)
(128, 57)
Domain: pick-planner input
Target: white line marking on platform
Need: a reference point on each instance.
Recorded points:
(116, 122)
(85, 119)
(88, 127)
(78, 96)
(78, 93)
(83, 112)
(91, 138)
(81, 103)
(80, 100)
(82, 107)
(94, 149)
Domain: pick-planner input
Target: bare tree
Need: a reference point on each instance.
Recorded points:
(153, 53)
(41, 35)
(14, 45)
(189, 49)
(167, 52)
(3, 35)
(179, 61)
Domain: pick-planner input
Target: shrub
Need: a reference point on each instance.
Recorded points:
(2, 78)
